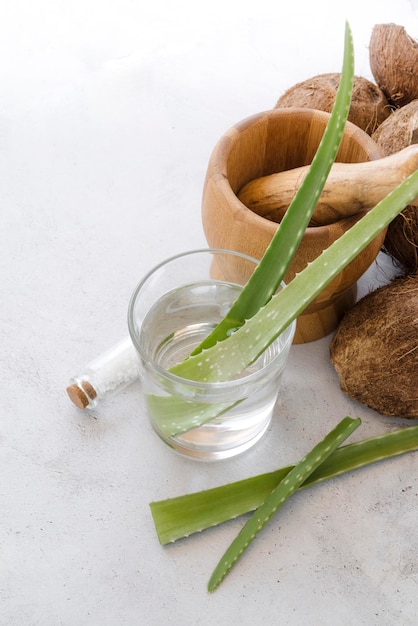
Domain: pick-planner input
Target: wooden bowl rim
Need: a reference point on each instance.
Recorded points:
(219, 164)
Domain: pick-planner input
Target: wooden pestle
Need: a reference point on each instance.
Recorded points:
(349, 189)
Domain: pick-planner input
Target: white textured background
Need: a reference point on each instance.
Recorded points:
(108, 114)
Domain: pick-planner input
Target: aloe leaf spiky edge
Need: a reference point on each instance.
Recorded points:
(179, 517)
(269, 273)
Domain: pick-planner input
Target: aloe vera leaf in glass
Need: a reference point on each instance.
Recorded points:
(229, 357)
(181, 516)
(280, 494)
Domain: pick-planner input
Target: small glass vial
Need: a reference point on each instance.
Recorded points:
(106, 375)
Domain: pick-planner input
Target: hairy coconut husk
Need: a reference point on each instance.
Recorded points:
(375, 349)
(393, 56)
(401, 240)
(399, 131)
(369, 105)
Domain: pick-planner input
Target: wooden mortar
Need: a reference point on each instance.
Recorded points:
(269, 142)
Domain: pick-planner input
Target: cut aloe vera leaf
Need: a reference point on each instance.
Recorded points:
(179, 517)
(280, 494)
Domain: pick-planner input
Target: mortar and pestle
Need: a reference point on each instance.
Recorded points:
(280, 144)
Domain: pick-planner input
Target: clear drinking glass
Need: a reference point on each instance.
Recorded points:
(171, 311)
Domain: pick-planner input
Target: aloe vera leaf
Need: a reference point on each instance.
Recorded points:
(173, 415)
(280, 494)
(269, 273)
(227, 358)
(179, 517)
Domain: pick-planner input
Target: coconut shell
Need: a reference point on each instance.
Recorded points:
(375, 349)
(369, 105)
(393, 56)
(401, 240)
(399, 131)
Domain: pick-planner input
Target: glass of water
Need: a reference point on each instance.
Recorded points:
(174, 307)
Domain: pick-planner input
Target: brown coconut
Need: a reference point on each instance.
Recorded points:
(375, 349)
(398, 131)
(393, 56)
(401, 240)
(369, 105)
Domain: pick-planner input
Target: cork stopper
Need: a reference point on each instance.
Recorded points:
(81, 394)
